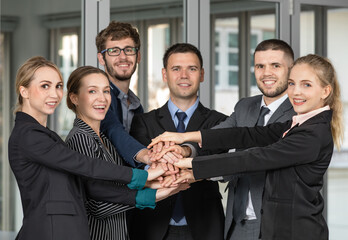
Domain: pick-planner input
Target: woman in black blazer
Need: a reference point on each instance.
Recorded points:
(295, 154)
(54, 180)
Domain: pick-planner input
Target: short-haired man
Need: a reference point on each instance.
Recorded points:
(196, 213)
(273, 59)
(118, 51)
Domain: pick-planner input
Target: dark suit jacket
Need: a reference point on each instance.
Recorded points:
(202, 201)
(292, 204)
(112, 126)
(50, 178)
(246, 114)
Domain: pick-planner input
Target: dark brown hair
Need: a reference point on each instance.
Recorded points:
(117, 31)
(74, 82)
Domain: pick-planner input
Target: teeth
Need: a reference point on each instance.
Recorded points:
(184, 84)
(269, 82)
(51, 104)
(99, 107)
(298, 101)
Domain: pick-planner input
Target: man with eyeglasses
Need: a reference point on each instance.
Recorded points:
(118, 51)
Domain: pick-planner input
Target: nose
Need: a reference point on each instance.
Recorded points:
(184, 73)
(122, 54)
(267, 71)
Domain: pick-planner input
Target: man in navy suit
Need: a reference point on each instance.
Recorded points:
(118, 48)
(196, 213)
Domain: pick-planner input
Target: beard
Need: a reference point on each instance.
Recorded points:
(278, 91)
(110, 70)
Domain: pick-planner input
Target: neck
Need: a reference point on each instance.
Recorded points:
(183, 104)
(122, 85)
(41, 118)
(269, 100)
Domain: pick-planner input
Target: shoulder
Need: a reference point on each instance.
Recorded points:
(78, 138)
(247, 101)
(211, 114)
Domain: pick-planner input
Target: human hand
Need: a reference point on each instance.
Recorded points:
(185, 176)
(155, 172)
(184, 163)
(172, 153)
(167, 137)
(166, 192)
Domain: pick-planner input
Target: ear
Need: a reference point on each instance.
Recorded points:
(73, 98)
(138, 57)
(101, 59)
(326, 92)
(202, 75)
(164, 75)
(23, 91)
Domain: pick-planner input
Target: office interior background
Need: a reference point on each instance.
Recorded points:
(226, 32)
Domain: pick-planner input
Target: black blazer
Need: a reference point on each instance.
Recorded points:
(50, 178)
(202, 201)
(292, 204)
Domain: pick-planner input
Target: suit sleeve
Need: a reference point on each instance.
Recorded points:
(242, 137)
(124, 143)
(99, 209)
(39, 147)
(295, 149)
(139, 130)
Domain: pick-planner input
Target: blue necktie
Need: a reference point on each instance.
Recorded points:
(242, 189)
(178, 211)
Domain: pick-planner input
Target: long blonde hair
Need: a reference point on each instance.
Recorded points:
(327, 76)
(25, 75)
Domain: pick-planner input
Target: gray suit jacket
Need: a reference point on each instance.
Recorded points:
(245, 114)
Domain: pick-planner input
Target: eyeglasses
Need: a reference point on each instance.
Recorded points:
(115, 51)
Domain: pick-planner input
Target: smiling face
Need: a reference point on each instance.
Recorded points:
(271, 73)
(304, 89)
(43, 95)
(93, 99)
(121, 67)
(183, 75)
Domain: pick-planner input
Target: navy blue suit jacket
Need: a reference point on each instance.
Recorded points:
(112, 126)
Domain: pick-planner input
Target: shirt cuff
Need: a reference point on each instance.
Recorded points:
(146, 198)
(193, 150)
(139, 179)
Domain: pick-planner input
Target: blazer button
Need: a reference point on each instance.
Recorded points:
(261, 211)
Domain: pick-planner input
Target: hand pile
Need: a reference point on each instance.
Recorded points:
(168, 161)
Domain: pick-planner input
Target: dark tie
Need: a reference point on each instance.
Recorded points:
(242, 189)
(178, 211)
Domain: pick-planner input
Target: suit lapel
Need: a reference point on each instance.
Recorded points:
(281, 111)
(253, 113)
(197, 118)
(165, 119)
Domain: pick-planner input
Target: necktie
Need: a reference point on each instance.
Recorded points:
(261, 119)
(178, 211)
(242, 189)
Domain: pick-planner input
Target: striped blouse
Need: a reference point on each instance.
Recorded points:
(107, 221)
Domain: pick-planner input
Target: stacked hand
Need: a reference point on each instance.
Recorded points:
(170, 165)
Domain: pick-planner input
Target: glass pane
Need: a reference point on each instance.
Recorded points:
(68, 62)
(307, 39)
(160, 24)
(338, 171)
(262, 28)
(158, 42)
(226, 60)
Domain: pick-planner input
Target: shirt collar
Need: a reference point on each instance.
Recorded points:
(274, 105)
(133, 99)
(189, 112)
(301, 118)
